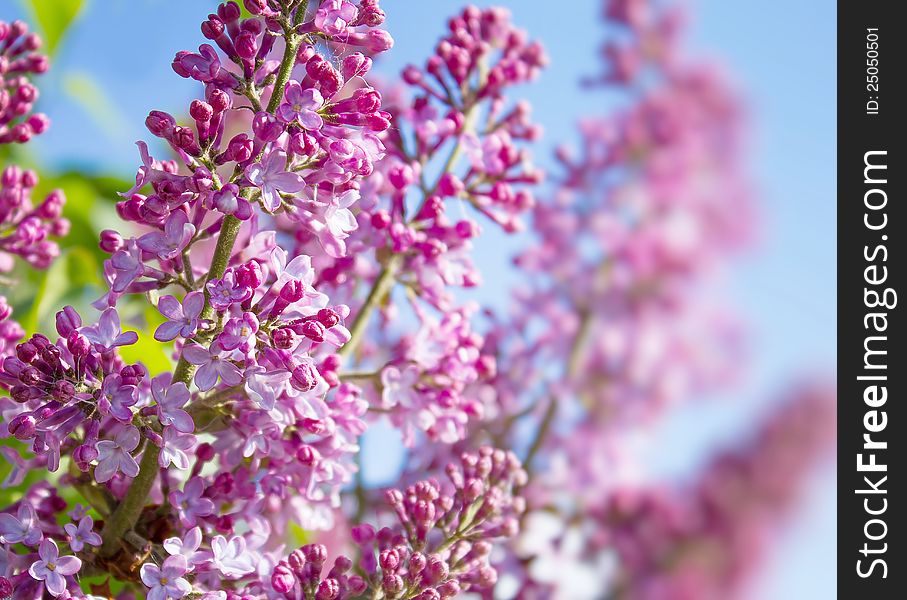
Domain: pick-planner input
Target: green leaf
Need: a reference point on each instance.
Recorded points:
(54, 17)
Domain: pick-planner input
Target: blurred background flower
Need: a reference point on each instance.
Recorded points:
(111, 66)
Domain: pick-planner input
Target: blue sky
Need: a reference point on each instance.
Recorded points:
(780, 53)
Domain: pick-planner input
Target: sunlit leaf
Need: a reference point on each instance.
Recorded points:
(54, 17)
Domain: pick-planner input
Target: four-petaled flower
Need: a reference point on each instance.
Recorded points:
(21, 529)
(190, 503)
(52, 569)
(169, 243)
(226, 291)
(166, 582)
(170, 401)
(115, 398)
(114, 455)
(174, 449)
(183, 318)
(271, 177)
(230, 557)
(107, 333)
(229, 201)
(127, 266)
(212, 363)
(301, 104)
(82, 534)
(187, 546)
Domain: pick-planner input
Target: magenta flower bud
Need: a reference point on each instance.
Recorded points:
(249, 275)
(184, 138)
(201, 111)
(67, 320)
(328, 317)
(6, 587)
(331, 362)
(450, 185)
(229, 11)
(356, 585)
(389, 560)
(266, 127)
(313, 330)
(219, 100)
(296, 560)
(292, 291)
(78, 344)
(23, 393)
(329, 589)
(63, 390)
(256, 7)
(83, 455)
(39, 123)
(417, 562)
(355, 65)
(282, 578)
(393, 497)
(380, 219)
(23, 426)
(315, 553)
(240, 148)
(438, 569)
(160, 124)
(213, 28)
(363, 534)
(283, 338)
(304, 378)
(377, 40)
(205, 452)
(449, 589)
(26, 352)
(307, 455)
(392, 584)
(246, 45)
(429, 594)
(224, 524)
(30, 376)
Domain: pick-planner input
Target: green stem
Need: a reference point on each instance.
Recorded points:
(380, 289)
(129, 510)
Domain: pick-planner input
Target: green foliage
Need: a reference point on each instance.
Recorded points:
(54, 18)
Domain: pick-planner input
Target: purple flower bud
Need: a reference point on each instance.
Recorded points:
(438, 569)
(23, 426)
(201, 111)
(392, 584)
(297, 560)
(315, 553)
(219, 100)
(6, 587)
(389, 560)
(83, 455)
(283, 338)
(266, 127)
(313, 330)
(26, 352)
(205, 452)
(329, 589)
(282, 578)
(67, 320)
(355, 65)
(449, 589)
(240, 148)
(78, 344)
(304, 377)
(160, 124)
(246, 45)
(363, 534)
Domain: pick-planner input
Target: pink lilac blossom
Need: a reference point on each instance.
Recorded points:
(306, 237)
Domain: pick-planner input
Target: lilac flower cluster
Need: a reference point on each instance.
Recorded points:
(439, 547)
(26, 230)
(296, 232)
(19, 59)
